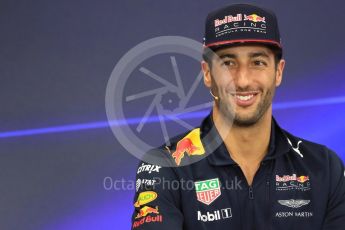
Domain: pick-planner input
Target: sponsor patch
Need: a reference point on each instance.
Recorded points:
(240, 23)
(254, 18)
(145, 197)
(144, 183)
(296, 149)
(207, 191)
(293, 203)
(148, 220)
(190, 145)
(292, 182)
(148, 168)
(294, 214)
(215, 215)
(144, 211)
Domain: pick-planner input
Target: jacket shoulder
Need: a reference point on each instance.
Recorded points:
(185, 148)
(312, 150)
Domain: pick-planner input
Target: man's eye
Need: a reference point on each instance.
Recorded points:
(228, 63)
(260, 63)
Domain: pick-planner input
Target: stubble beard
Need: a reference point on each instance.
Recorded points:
(228, 111)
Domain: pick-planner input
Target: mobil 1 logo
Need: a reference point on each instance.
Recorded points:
(215, 215)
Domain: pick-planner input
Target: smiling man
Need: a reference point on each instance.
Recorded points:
(239, 169)
(242, 79)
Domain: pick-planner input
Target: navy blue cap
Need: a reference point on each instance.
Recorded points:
(241, 23)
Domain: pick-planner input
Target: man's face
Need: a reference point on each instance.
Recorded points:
(244, 78)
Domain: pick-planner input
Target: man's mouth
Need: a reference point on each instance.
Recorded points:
(245, 99)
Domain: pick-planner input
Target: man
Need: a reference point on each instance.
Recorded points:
(245, 171)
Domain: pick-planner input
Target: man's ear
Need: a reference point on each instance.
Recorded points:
(207, 74)
(279, 72)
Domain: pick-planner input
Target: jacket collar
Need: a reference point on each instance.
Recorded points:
(218, 154)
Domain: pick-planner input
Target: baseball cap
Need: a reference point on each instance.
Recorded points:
(241, 23)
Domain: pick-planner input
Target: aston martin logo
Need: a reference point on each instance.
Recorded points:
(294, 203)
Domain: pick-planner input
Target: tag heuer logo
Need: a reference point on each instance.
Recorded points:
(207, 191)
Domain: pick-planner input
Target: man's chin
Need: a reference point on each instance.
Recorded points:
(245, 122)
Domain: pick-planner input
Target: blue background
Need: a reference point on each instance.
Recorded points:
(56, 58)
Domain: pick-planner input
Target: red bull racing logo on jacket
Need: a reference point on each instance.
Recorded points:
(292, 182)
(190, 145)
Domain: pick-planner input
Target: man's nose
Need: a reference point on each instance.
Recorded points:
(242, 77)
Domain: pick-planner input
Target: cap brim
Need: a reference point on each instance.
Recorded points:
(220, 44)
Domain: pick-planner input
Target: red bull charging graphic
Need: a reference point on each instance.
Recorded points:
(190, 145)
(144, 211)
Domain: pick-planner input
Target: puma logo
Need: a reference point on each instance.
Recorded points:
(297, 148)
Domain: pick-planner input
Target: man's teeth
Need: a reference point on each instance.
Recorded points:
(244, 98)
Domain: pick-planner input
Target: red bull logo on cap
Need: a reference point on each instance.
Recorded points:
(190, 144)
(227, 19)
(254, 18)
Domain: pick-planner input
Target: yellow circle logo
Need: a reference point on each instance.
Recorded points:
(145, 197)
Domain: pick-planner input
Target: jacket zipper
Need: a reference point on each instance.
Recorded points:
(251, 194)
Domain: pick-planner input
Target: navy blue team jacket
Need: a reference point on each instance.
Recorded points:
(299, 185)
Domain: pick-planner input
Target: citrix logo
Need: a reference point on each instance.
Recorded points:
(215, 215)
